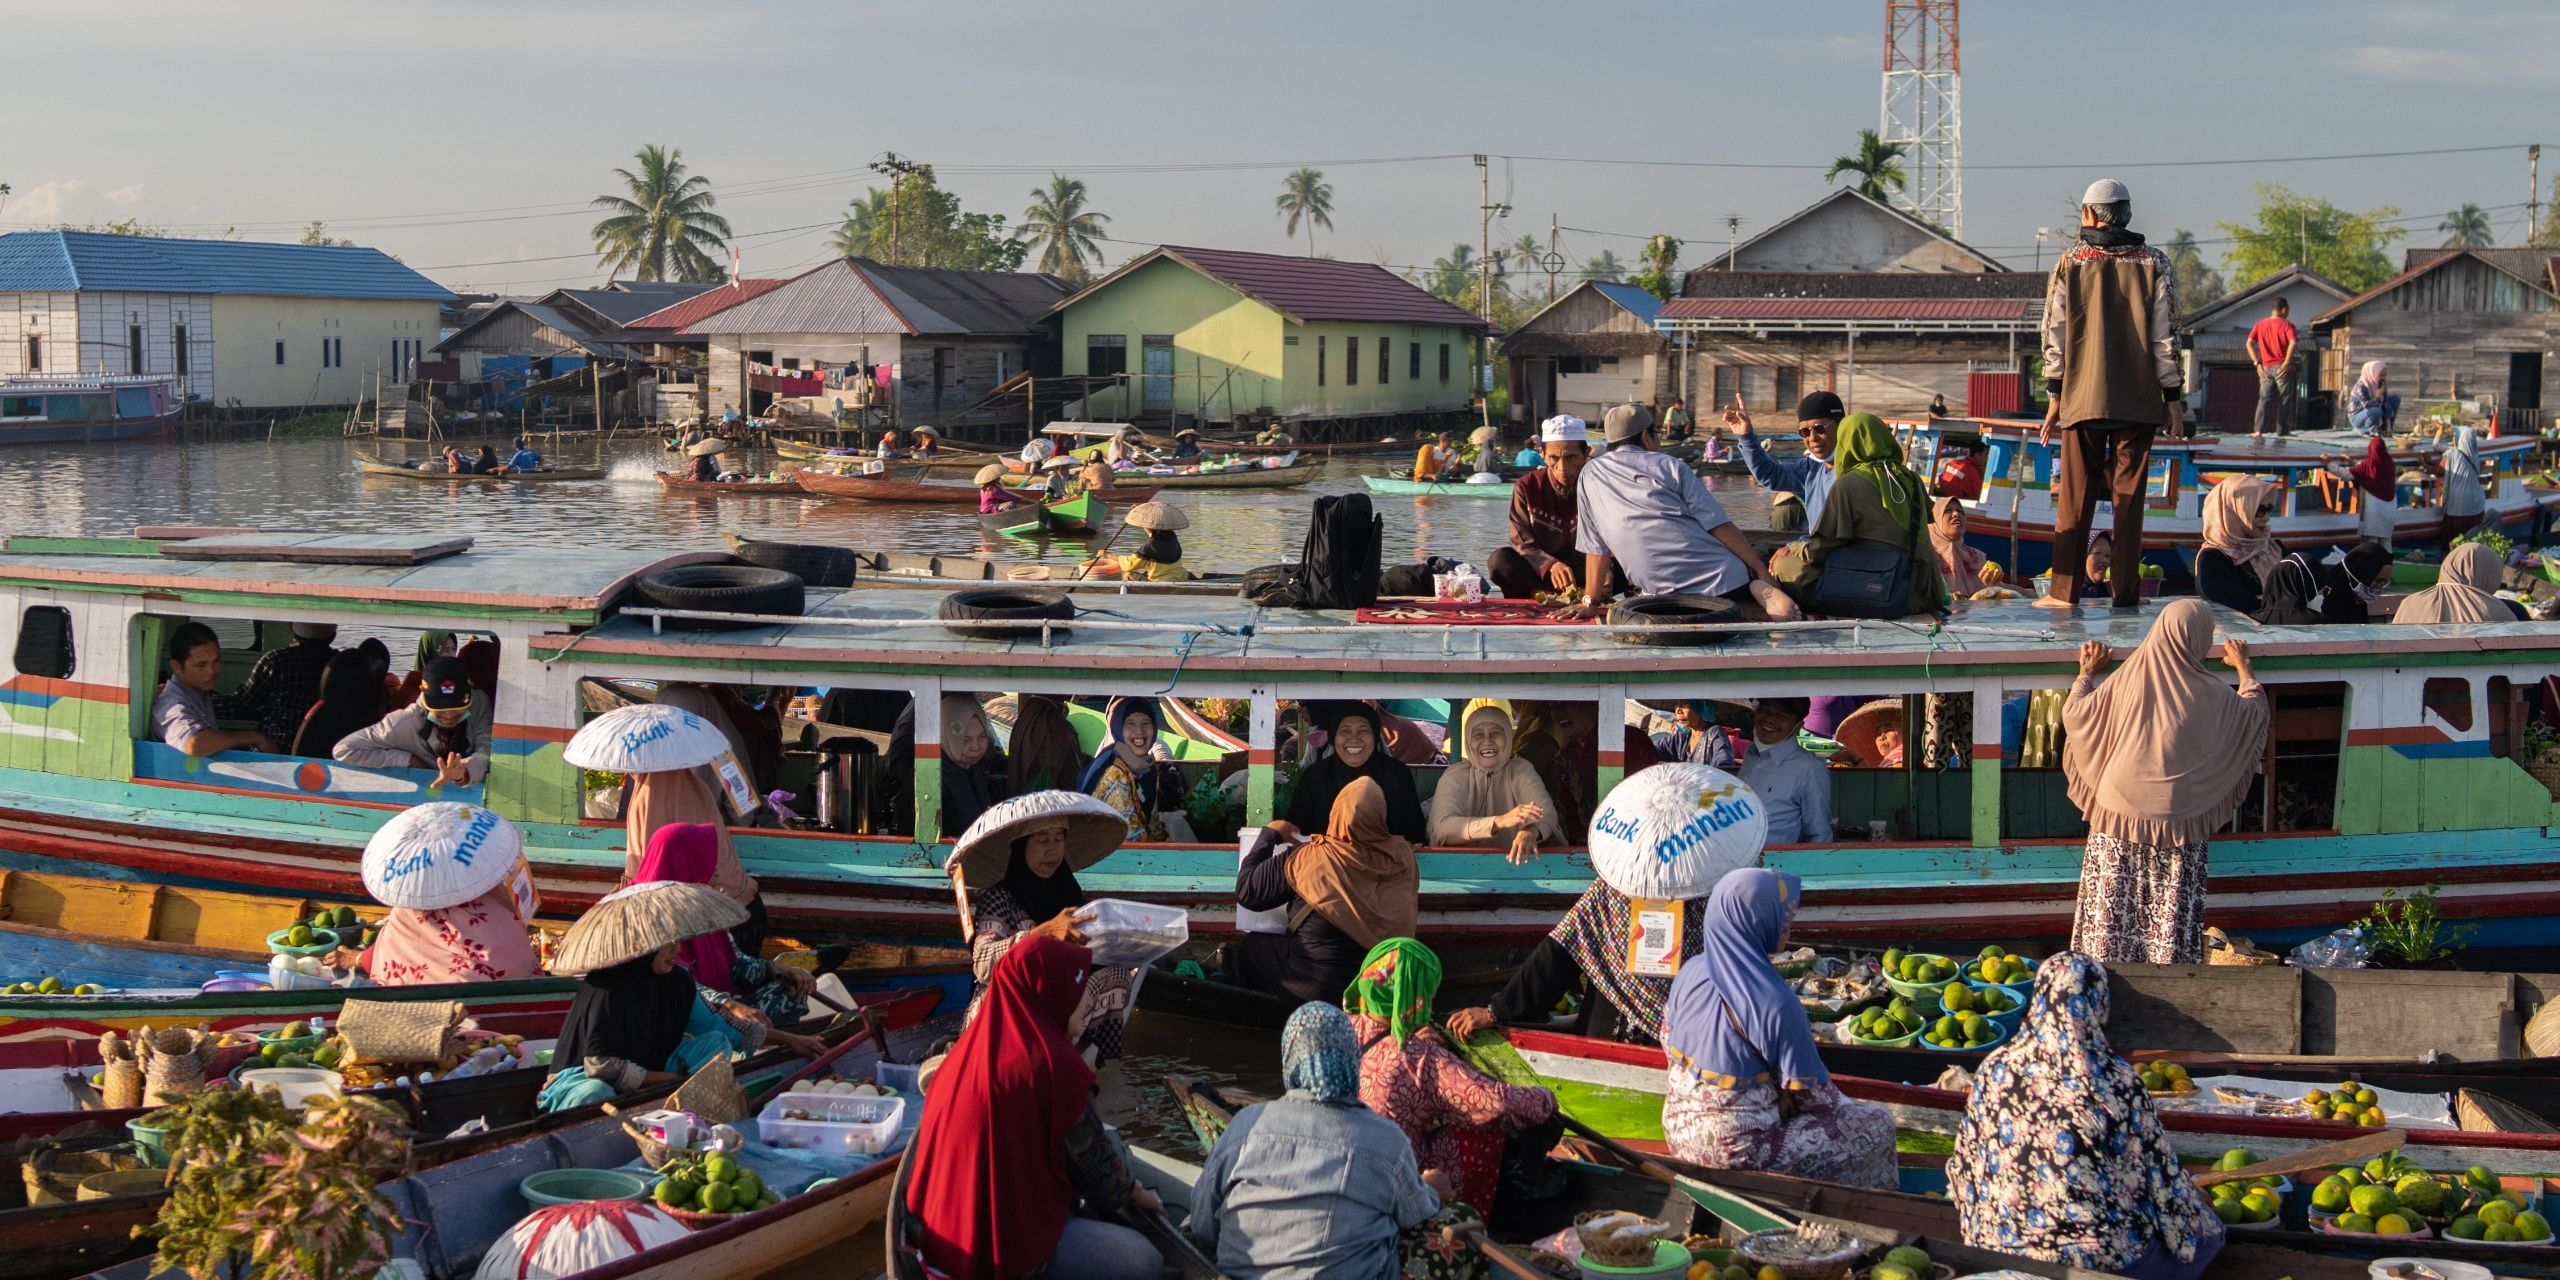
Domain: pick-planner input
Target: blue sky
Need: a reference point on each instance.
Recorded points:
(464, 135)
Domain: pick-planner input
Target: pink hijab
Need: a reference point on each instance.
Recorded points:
(483, 940)
(689, 853)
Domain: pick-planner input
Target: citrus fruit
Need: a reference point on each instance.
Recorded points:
(718, 1198)
(2316, 1097)
(2497, 1213)
(2468, 1227)
(2355, 1222)
(2421, 1193)
(2532, 1226)
(2371, 1119)
(1771, 1273)
(2364, 1097)
(2230, 1210)
(2502, 1233)
(49, 986)
(2392, 1224)
(1916, 1260)
(2331, 1195)
(720, 1168)
(668, 1192)
(2261, 1204)
(2372, 1201)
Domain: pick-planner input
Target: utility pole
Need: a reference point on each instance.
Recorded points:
(2302, 219)
(1732, 238)
(2533, 194)
(895, 168)
(1485, 210)
(1552, 220)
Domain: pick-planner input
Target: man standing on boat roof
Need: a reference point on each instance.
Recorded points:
(2112, 382)
(1540, 556)
(1818, 418)
(1649, 513)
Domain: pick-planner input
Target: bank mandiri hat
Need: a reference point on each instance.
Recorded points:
(645, 737)
(438, 855)
(1672, 831)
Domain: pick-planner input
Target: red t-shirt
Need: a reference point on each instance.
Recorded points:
(2271, 341)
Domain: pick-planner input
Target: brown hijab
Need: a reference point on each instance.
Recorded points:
(680, 795)
(1358, 875)
(1959, 563)
(1044, 754)
(2462, 590)
(2161, 751)
(2232, 527)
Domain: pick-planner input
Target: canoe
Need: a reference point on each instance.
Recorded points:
(674, 483)
(1080, 516)
(1287, 477)
(373, 466)
(827, 484)
(1123, 495)
(1418, 488)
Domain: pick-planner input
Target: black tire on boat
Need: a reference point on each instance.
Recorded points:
(1007, 604)
(1639, 620)
(722, 588)
(817, 566)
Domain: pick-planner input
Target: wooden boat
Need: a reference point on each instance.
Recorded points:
(1080, 516)
(828, 484)
(42, 410)
(674, 483)
(1120, 495)
(1285, 477)
(373, 466)
(1426, 489)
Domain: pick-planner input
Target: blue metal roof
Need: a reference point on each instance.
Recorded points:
(69, 261)
(1634, 298)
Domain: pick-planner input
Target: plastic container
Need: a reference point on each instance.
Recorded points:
(1670, 1258)
(2329, 1227)
(1923, 990)
(851, 1125)
(576, 1186)
(1122, 932)
(282, 976)
(224, 986)
(149, 1142)
(298, 1084)
(2023, 987)
(1849, 1033)
(896, 1075)
(323, 941)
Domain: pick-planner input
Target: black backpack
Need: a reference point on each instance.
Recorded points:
(1339, 567)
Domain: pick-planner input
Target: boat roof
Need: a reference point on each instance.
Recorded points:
(567, 585)
(2301, 449)
(894, 630)
(1103, 430)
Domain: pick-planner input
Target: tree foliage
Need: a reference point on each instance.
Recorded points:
(1604, 268)
(915, 223)
(2199, 285)
(2350, 248)
(1877, 165)
(660, 225)
(1306, 199)
(2467, 228)
(318, 234)
(1064, 229)
(1661, 274)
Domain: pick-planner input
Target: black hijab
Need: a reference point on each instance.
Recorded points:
(630, 1011)
(1311, 803)
(350, 699)
(2286, 601)
(1162, 547)
(2346, 582)
(1040, 898)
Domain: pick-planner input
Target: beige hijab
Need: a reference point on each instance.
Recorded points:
(1469, 790)
(2462, 590)
(2231, 525)
(679, 795)
(2161, 752)
(1959, 563)
(1358, 875)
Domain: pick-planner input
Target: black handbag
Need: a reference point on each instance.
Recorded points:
(1868, 579)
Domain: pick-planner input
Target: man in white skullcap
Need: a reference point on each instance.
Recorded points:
(2111, 382)
(1540, 557)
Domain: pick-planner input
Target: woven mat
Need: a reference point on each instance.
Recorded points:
(1448, 613)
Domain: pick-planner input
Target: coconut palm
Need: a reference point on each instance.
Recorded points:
(1605, 268)
(662, 226)
(864, 233)
(1057, 221)
(2467, 228)
(1453, 276)
(1305, 198)
(1527, 255)
(1877, 166)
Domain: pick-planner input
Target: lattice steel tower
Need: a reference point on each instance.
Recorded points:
(1923, 80)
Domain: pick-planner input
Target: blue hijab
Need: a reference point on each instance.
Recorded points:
(1731, 1020)
(1320, 1054)
(1114, 716)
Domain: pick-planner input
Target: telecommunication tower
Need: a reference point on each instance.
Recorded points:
(1923, 80)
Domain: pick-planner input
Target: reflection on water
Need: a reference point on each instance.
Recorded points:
(312, 484)
(1133, 1094)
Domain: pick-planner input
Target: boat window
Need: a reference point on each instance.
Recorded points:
(2449, 699)
(44, 642)
(2305, 738)
(2510, 719)
(21, 406)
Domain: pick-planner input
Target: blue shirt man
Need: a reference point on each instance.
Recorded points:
(1651, 513)
(1793, 784)
(1818, 418)
(524, 458)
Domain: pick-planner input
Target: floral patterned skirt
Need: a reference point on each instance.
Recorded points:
(1427, 1252)
(2140, 904)
(1824, 1136)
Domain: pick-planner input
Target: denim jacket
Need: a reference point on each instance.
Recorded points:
(1305, 1190)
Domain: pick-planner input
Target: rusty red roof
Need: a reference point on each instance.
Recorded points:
(1879, 309)
(703, 305)
(1305, 289)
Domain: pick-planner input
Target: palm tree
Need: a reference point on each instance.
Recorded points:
(1306, 198)
(1065, 230)
(865, 229)
(1528, 255)
(1878, 167)
(2467, 228)
(661, 227)
(1453, 277)
(1605, 268)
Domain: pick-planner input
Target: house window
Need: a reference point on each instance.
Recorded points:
(1444, 362)
(133, 348)
(337, 353)
(178, 347)
(1351, 361)
(35, 353)
(44, 643)
(1106, 354)
(279, 353)
(1413, 362)
(1385, 348)
(1319, 359)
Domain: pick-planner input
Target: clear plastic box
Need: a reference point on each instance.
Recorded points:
(1124, 932)
(837, 1122)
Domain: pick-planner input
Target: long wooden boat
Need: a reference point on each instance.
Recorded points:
(2397, 792)
(828, 484)
(675, 483)
(373, 466)
(1288, 477)
(41, 410)
(1121, 495)
(1431, 489)
(1080, 516)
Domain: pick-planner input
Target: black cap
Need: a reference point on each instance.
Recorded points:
(1820, 404)
(446, 685)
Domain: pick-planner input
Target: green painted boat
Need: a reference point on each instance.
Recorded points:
(1079, 516)
(1425, 489)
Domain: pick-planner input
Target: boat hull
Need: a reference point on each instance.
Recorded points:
(872, 489)
(1288, 477)
(673, 483)
(1422, 489)
(372, 466)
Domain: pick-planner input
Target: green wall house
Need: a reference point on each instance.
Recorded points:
(1216, 334)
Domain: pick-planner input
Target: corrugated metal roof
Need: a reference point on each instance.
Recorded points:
(1864, 284)
(1845, 309)
(68, 261)
(1306, 289)
(626, 303)
(857, 295)
(831, 298)
(1633, 297)
(702, 305)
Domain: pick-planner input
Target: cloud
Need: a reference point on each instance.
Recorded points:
(123, 196)
(45, 203)
(2445, 67)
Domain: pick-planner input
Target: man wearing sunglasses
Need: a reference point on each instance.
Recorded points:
(1818, 418)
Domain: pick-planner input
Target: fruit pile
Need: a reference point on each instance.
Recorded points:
(1983, 1000)
(1903, 1263)
(1706, 1270)
(1997, 965)
(341, 921)
(1918, 968)
(49, 986)
(280, 1050)
(2390, 1196)
(1961, 1031)
(2350, 1103)
(2165, 1077)
(1890, 1021)
(2246, 1201)
(715, 1183)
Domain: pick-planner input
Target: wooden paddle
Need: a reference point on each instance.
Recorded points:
(1619, 1152)
(1500, 1256)
(2355, 1150)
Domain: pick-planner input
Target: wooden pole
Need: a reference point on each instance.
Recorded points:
(595, 368)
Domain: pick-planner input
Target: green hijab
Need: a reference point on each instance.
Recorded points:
(1395, 986)
(1866, 446)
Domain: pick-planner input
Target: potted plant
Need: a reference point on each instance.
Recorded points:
(2409, 933)
(262, 1191)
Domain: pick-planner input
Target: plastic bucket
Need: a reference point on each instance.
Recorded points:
(149, 1142)
(576, 1186)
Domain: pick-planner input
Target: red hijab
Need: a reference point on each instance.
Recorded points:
(987, 1174)
(2374, 472)
(689, 852)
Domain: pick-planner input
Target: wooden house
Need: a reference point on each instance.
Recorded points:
(2458, 324)
(1594, 347)
(2217, 341)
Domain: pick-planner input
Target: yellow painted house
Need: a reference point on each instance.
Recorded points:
(238, 324)
(1218, 334)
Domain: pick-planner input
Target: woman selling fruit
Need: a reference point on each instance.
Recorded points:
(2156, 758)
(1010, 1142)
(2060, 1156)
(1016, 869)
(1458, 1118)
(1748, 1089)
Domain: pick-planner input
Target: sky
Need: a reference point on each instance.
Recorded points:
(466, 137)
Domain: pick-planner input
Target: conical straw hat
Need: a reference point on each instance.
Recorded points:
(926, 430)
(439, 855)
(1484, 435)
(990, 473)
(1857, 730)
(630, 923)
(1157, 516)
(706, 448)
(1094, 829)
(646, 737)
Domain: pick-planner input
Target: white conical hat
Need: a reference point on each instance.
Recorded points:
(627, 924)
(1158, 516)
(438, 855)
(1094, 829)
(1672, 831)
(646, 738)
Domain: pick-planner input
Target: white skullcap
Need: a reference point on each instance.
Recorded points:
(1564, 428)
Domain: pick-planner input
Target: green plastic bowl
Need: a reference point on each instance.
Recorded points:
(323, 941)
(576, 1186)
(1670, 1258)
(1898, 1042)
(149, 1142)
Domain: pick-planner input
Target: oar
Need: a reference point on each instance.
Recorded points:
(1105, 549)
(1500, 1256)
(2350, 1151)
(1656, 1170)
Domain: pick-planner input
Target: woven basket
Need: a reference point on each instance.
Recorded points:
(123, 1182)
(1756, 1249)
(712, 1094)
(1632, 1245)
(2548, 775)
(2222, 948)
(399, 1030)
(2488, 1113)
(2542, 1034)
(53, 1175)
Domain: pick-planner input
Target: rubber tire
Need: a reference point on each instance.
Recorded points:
(819, 566)
(722, 588)
(1637, 618)
(1007, 604)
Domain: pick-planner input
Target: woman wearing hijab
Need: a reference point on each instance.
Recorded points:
(972, 766)
(480, 658)
(1874, 499)
(1354, 750)
(2462, 591)
(2352, 585)
(1959, 562)
(2292, 595)
(377, 657)
(1036, 896)
(1129, 774)
(447, 729)
(2239, 553)
(2377, 478)
(742, 985)
(1697, 739)
(672, 796)
(1262, 1207)
(1010, 1142)
(350, 699)
(1457, 1117)
(1748, 1089)
(1042, 754)
(2371, 406)
(483, 940)
(1585, 956)
(2157, 757)
(2466, 496)
(1492, 796)
(2060, 1156)
(1346, 891)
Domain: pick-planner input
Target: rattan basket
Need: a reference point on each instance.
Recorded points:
(1771, 1249)
(397, 1031)
(711, 1094)
(2548, 775)
(2542, 1033)
(2222, 948)
(1630, 1244)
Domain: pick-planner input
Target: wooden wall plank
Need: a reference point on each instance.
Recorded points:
(2229, 1008)
(2470, 1017)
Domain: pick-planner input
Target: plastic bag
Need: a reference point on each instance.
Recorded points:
(1462, 585)
(1122, 932)
(2344, 949)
